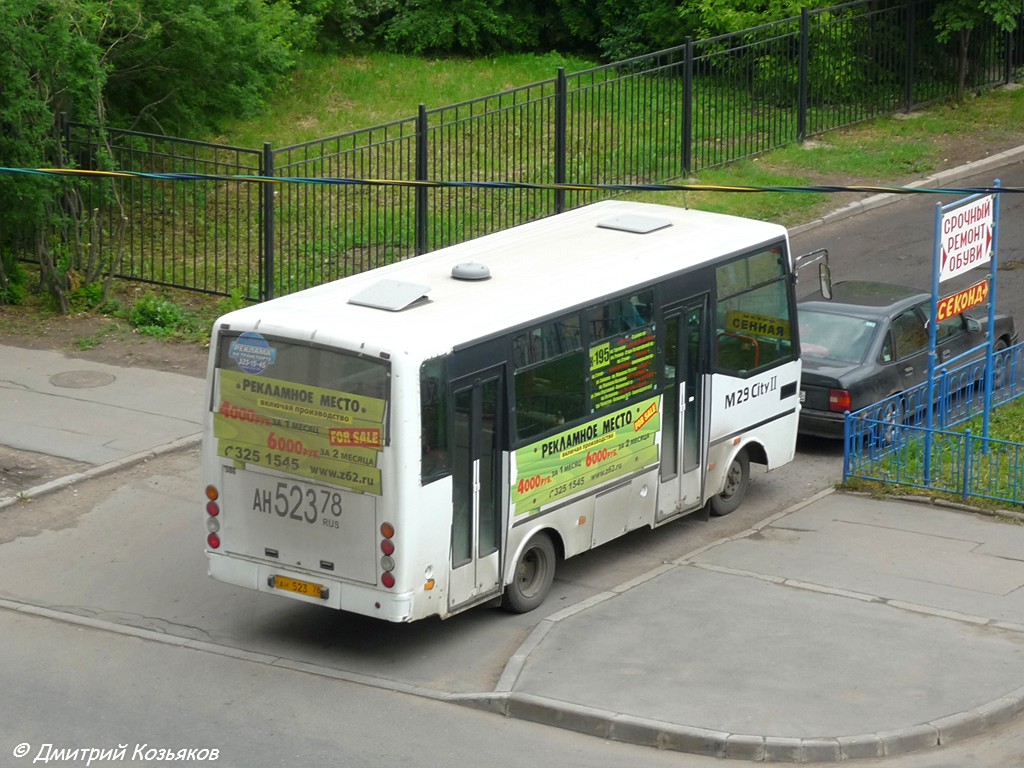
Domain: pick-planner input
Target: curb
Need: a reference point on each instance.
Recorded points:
(630, 729)
(935, 181)
(98, 471)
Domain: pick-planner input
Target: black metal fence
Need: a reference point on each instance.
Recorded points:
(653, 118)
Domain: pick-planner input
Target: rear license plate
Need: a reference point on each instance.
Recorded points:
(300, 587)
(803, 395)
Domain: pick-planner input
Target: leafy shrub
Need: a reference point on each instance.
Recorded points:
(161, 318)
(12, 280)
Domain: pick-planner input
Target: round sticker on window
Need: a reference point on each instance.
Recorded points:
(252, 353)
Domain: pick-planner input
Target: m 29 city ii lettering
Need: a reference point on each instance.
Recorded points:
(751, 392)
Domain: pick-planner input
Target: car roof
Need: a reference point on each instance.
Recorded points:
(865, 298)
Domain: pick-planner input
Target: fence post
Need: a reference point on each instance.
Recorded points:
(1007, 53)
(420, 216)
(908, 74)
(805, 38)
(967, 464)
(267, 194)
(847, 445)
(945, 397)
(688, 107)
(561, 131)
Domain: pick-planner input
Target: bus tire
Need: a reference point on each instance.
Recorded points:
(532, 577)
(737, 480)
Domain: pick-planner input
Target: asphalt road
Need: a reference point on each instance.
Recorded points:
(125, 549)
(896, 243)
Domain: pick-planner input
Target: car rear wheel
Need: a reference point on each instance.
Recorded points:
(1000, 366)
(889, 420)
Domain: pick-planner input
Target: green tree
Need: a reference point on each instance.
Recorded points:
(621, 29)
(960, 18)
(181, 65)
(52, 63)
(341, 23)
(155, 64)
(720, 17)
(476, 27)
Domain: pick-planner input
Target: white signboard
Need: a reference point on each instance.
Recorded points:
(966, 237)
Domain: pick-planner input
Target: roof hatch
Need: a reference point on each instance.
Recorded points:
(631, 222)
(392, 295)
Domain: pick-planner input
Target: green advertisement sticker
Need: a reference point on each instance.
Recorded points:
(318, 433)
(583, 458)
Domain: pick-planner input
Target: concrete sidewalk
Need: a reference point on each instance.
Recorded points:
(96, 417)
(845, 628)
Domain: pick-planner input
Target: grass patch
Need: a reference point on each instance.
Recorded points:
(327, 95)
(994, 472)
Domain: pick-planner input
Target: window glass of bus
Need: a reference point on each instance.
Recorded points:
(549, 374)
(319, 367)
(622, 349)
(434, 461)
(753, 313)
(545, 341)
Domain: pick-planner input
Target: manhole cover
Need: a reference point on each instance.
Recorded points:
(82, 379)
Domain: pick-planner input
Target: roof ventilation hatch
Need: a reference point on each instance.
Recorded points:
(392, 295)
(631, 222)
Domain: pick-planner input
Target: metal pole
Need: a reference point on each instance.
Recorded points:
(990, 347)
(965, 480)
(930, 389)
(688, 107)
(267, 189)
(420, 223)
(805, 37)
(561, 132)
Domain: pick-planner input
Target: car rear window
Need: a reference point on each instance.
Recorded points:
(841, 338)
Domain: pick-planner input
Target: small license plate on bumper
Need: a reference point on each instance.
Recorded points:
(306, 588)
(803, 395)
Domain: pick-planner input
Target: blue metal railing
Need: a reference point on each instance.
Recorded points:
(886, 442)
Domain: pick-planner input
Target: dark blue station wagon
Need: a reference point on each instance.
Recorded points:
(870, 341)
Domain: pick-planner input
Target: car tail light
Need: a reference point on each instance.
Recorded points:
(839, 400)
(213, 513)
(387, 562)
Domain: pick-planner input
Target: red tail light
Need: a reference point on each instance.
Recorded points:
(387, 562)
(839, 400)
(212, 511)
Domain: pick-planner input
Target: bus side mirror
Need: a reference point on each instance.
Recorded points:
(825, 280)
(824, 273)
